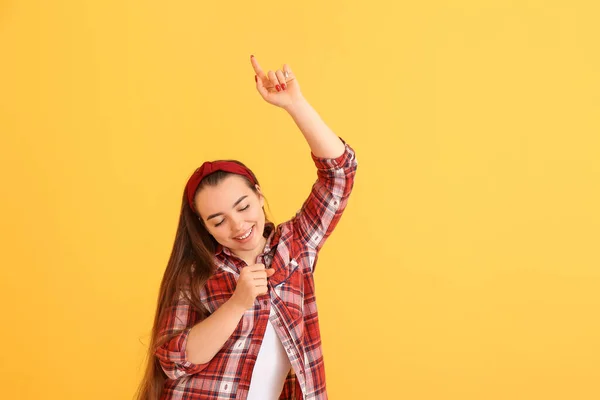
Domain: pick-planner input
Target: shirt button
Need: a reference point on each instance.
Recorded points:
(265, 302)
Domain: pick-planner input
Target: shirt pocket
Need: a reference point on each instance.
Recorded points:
(291, 291)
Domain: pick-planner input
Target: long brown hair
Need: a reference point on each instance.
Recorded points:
(193, 246)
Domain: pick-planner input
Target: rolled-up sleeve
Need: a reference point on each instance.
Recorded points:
(328, 198)
(172, 354)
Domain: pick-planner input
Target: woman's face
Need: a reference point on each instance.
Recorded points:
(230, 211)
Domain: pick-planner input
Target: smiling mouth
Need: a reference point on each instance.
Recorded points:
(246, 235)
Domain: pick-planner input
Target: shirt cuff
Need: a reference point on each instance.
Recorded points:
(176, 353)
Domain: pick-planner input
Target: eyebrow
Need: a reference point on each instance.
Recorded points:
(234, 204)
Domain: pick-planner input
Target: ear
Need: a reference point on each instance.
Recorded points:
(261, 197)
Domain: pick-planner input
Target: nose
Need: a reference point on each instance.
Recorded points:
(237, 223)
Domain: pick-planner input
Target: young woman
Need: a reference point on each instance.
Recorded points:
(237, 315)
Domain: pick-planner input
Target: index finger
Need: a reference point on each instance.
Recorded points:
(257, 68)
(256, 267)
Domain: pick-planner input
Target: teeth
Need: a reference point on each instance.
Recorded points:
(246, 235)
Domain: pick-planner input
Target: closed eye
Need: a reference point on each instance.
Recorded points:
(242, 209)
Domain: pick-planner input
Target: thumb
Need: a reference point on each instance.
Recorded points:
(270, 272)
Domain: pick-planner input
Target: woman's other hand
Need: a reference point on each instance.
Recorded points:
(279, 88)
(251, 283)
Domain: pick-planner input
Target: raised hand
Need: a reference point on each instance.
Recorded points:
(279, 88)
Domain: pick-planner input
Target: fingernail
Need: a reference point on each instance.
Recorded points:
(251, 55)
(278, 88)
(255, 78)
(283, 86)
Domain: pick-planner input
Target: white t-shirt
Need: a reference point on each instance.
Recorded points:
(271, 368)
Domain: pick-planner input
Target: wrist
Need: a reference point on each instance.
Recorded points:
(296, 106)
(235, 305)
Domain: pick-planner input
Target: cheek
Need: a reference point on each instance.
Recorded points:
(222, 236)
(223, 230)
(259, 216)
(217, 232)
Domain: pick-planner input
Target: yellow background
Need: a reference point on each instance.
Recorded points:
(467, 263)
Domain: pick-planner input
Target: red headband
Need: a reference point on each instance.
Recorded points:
(208, 168)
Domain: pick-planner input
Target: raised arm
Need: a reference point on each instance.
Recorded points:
(334, 158)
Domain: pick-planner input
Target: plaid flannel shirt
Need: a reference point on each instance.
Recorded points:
(292, 250)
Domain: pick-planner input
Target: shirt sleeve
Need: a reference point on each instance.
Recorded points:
(172, 354)
(327, 200)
